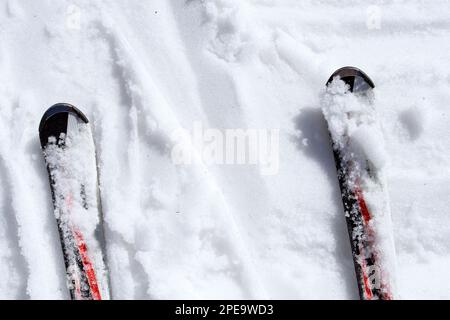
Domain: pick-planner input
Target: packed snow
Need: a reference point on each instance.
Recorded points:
(144, 70)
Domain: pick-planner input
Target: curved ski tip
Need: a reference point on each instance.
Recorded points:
(348, 74)
(55, 121)
(61, 108)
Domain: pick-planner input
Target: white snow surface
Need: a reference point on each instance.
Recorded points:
(142, 69)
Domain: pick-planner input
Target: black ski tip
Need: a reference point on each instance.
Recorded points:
(54, 121)
(350, 75)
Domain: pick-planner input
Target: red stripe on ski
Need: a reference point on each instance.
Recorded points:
(362, 204)
(87, 264)
(367, 217)
(369, 294)
(88, 267)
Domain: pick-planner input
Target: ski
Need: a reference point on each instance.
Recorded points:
(348, 107)
(69, 154)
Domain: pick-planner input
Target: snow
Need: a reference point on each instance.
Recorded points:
(415, 120)
(141, 70)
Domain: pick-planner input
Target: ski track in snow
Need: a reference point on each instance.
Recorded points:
(141, 69)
